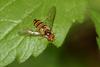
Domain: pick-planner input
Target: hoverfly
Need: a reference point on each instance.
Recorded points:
(44, 29)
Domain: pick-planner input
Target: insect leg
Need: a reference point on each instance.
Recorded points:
(34, 33)
(29, 32)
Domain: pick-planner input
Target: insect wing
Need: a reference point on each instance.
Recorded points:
(50, 17)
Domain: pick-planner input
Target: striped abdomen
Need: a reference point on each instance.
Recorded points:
(38, 23)
(42, 28)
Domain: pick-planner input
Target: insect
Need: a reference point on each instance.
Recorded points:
(44, 29)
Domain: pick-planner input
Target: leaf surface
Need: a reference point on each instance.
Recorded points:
(17, 15)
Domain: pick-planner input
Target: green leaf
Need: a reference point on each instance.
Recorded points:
(17, 15)
(68, 12)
